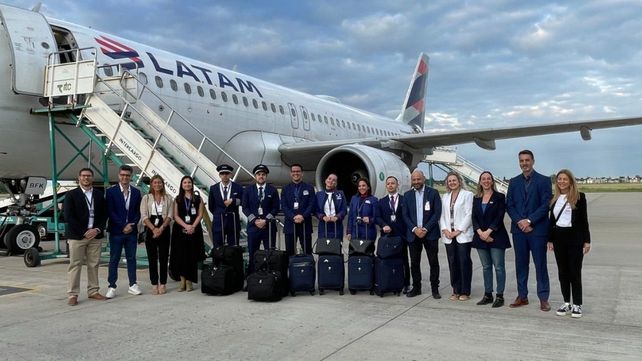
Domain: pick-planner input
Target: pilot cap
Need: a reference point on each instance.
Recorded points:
(224, 168)
(261, 168)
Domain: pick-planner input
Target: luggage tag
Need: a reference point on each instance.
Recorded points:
(427, 206)
(296, 205)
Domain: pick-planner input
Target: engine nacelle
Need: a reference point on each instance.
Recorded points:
(351, 162)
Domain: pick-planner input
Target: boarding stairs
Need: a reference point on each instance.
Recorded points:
(448, 160)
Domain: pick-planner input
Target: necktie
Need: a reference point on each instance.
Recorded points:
(225, 193)
(392, 203)
(260, 194)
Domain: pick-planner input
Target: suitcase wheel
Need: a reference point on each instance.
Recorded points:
(397, 294)
(321, 291)
(353, 292)
(312, 292)
(292, 293)
(341, 292)
(372, 292)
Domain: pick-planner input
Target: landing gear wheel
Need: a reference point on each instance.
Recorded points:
(22, 237)
(32, 257)
(353, 292)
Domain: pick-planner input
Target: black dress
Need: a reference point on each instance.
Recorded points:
(186, 250)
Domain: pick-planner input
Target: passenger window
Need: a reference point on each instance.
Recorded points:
(173, 85)
(281, 110)
(212, 94)
(255, 103)
(293, 112)
(188, 88)
(245, 102)
(325, 118)
(264, 106)
(332, 121)
(159, 81)
(343, 124)
(143, 78)
(108, 71)
(305, 115)
(224, 96)
(200, 91)
(273, 107)
(312, 116)
(235, 99)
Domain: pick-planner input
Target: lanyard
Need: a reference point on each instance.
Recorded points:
(188, 204)
(89, 201)
(156, 205)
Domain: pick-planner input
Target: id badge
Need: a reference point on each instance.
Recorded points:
(91, 213)
(156, 222)
(427, 206)
(188, 219)
(296, 205)
(393, 218)
(260, 211)
(159, 209)
(193, 211)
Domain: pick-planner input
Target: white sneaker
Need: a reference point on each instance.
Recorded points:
(134, 290)
(111, 292)
(564, 309)
(576, 312)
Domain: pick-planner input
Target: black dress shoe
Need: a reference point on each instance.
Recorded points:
(488, 298)
(405, 289)
(436, 295)
(414, 292)
(499, 302)
(244, 288)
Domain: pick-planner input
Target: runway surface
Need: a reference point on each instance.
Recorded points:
(38, 325)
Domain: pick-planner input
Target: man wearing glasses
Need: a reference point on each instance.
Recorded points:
(123, 208)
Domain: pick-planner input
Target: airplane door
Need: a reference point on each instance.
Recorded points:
(306, 118)
(293, 116)
(30, 42)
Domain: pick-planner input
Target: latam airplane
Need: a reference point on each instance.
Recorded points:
(255, 121)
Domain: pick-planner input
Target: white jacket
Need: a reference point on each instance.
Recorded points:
(463, 212)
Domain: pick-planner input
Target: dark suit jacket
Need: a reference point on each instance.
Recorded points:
(430, 218)
(531, 204)
(270, 205)
(341, 207)
(383, 218)
(579, 221)
(119, 216)
(306, 199)
(216, 206)
(76, 212)
(493, 219)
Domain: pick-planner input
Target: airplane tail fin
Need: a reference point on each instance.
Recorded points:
(414, 106)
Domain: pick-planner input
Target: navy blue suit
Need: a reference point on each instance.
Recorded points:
(529, 199)
(303, 195)
(431, 211)
(366, 207)
(332, 229)
(398, 228)
(226, 222)
(119, 217)
(270, 207)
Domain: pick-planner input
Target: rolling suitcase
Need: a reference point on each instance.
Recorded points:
(220, 280)
(265, 286)
(302, 271)
(274, 260)
(331, 273)
(328, 246)
(389, 247)
(388, 276)
(360, 274)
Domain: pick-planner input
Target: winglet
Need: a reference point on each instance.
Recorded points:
(414, 106)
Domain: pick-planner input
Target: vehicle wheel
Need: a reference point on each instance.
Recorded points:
(32, 257)
(5, 240)
(22, 237)
(42, 230)
(353, 292)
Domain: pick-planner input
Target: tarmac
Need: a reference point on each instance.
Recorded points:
(37, 324)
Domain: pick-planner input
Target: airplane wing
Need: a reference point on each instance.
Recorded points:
(485, 138)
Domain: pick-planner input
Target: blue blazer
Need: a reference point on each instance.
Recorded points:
(340, 204)
(270, 205)
(532, 205)
(306, 199)
(384, 217)
(119, 216)
(492, 218)
(76, 213)
(430, 218)
(369, 208)
(216, 206)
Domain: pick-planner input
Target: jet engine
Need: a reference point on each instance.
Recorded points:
(351, 162)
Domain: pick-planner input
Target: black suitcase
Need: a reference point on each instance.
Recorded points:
(331, 273)
(273, 260)
(389, 247)
(231, 256)
(360, 274)
(220, 280)
(265, 286)
(388, 276)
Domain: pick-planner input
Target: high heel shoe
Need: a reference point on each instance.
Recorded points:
(162, 289)
(183, 284)
(154, 290)
(189, 286)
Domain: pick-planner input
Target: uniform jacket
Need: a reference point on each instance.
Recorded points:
(250, 203)
(531, 204)
(430, 217)
(76, 213)
(492, 218)
(340, 204)
(216, 206)
(366, 208)
(306, 199)
(384, 217)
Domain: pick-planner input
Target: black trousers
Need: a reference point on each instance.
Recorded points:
(298, 234)
(158, 253)
(432, 247)
(569, 257)
(460, 266)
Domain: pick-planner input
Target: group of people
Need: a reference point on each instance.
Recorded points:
(462, 220)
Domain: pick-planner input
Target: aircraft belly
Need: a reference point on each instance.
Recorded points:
(255, 147)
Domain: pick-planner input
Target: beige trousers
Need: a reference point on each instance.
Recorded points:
(83, 251)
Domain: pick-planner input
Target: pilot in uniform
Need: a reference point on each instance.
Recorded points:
(223, 201)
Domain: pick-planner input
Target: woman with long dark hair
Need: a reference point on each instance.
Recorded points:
(363, 213)
(570, 239)
(187, 235)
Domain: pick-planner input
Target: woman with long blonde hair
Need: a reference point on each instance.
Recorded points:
(570, 239)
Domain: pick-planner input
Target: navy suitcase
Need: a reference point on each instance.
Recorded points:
(389, 247)
(302, 274)
(360, 274)
(388, 276)
(331, 273)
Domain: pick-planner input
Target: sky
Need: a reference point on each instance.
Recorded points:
(492, 63)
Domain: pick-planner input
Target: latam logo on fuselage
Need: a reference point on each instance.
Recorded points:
(117, 50)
